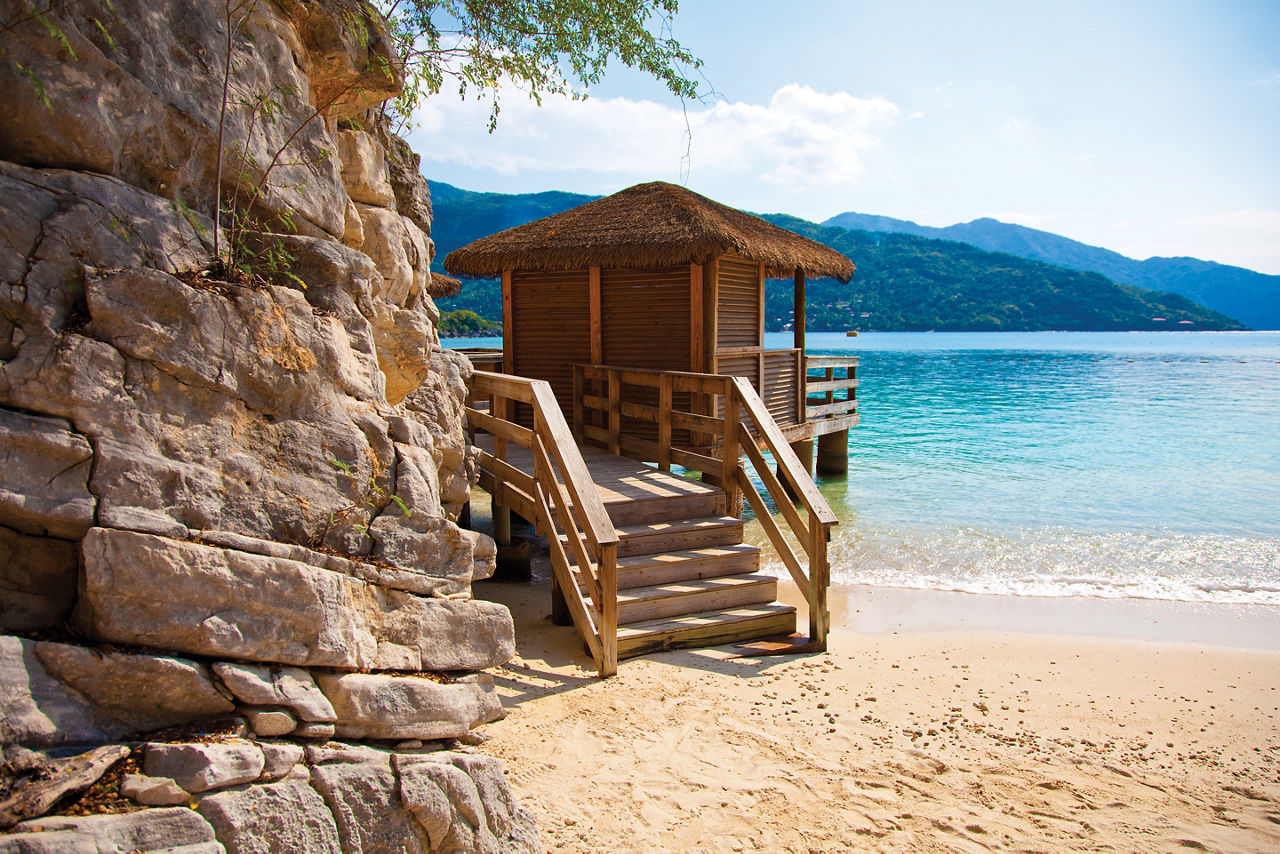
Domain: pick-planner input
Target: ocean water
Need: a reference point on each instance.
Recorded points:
(1062, 464)
(1059, 464)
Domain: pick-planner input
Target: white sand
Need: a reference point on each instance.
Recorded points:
(916, 740)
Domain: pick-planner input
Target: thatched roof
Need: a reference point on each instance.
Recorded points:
(443, 286)
(646, 226)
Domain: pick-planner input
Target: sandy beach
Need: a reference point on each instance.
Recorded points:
(936, 722)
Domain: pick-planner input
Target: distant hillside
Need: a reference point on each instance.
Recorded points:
(1253, 298)
(903, 282)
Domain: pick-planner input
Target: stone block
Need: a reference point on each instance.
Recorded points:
(44, 476)
(276, 686)
(269, 723)
(199, 767)
(143, 692)
(154, 791)
(371, 705)
(365, 801)
(147, 590)
(279, 758)
(175, 830)
(281, 817)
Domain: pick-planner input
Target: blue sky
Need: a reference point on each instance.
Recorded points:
(1149, 128)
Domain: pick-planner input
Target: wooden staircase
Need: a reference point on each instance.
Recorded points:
(643, 559)
(685, 578)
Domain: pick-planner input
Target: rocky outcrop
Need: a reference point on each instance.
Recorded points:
(229, 489)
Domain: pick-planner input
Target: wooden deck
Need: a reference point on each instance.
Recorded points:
(684, 576)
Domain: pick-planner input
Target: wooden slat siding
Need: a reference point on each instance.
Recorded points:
(645, 324)
(550, 330)
(739, 317)
(781, 385)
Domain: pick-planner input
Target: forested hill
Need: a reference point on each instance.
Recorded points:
(903, 282)
(1251, 297)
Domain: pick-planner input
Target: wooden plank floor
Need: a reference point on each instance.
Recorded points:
(620, 481)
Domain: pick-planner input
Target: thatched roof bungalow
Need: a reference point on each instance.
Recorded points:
(655, 276)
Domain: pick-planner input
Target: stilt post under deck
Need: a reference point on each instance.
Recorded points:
(833, 452)
(804, 450)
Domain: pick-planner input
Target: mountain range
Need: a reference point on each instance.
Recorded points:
(1250, 297)
(905, 280)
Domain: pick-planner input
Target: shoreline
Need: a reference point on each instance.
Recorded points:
(874, 609)
(935, 722)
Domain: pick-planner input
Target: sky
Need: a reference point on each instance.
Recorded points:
(1149, 128)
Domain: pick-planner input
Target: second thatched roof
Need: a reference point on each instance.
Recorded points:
(646, 226)
(443, 286)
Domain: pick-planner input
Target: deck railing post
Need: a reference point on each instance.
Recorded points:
(608, 577)
(729, 460)
(665, 396)
(615, 412)
(579, 389)
(500, 407)
(818, 581)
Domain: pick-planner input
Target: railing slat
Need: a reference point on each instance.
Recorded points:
(780, 544)
(775, 488)
(500, 428)
(813, 386)
(777, 443)
(840, 407)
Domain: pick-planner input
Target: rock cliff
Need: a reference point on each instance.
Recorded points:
(228, 491)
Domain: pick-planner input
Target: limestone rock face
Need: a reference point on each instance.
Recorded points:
(239, 479)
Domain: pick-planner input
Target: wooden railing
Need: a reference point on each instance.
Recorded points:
(606, 396)
(823, 384)
(559, 498)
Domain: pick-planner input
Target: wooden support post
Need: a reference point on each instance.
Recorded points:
(804, 450)
(508, 327)
(594, 308)
(501, 523)
(797, 318)
(560, 614)
(833, 452)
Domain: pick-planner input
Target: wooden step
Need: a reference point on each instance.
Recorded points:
(649, 538)
(634, 511)
(640, 604)
(706, 629)
(686, 565)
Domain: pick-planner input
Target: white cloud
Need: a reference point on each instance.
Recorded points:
(801, 137)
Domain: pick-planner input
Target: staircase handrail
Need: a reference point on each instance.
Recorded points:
(564, 495)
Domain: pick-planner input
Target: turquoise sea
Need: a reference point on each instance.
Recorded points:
(1061, 464)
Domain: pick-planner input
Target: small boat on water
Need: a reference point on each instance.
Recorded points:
(852, 333)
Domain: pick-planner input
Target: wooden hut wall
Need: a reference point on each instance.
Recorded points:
(550, 329)
(738, 303)
(645, 322)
